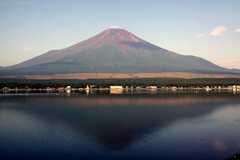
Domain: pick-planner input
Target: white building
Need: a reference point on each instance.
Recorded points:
(116, 87)
(68, 87)
(152, 87)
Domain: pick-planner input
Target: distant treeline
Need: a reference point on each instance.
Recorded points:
(160, 82)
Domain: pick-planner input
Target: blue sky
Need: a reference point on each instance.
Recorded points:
(206, 28)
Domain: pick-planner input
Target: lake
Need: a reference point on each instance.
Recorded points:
(120, 125)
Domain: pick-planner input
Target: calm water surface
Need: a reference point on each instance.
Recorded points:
(119, 126)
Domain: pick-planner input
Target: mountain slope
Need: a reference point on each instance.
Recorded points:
(114, 51)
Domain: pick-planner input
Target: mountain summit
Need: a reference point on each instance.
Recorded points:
(113, 51)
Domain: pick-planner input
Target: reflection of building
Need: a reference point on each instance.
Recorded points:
(116, 87)
(236, 88)
(174, 88)
(138, 87)
(116, 91)
(68, 89)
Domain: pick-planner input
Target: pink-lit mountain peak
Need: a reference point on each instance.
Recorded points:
(121, 39)
(121, 34)
(113, 37)
(126, 41)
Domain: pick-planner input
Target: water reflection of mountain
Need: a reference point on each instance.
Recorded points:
(117, 121)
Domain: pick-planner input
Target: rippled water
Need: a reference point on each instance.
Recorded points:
(119, 126)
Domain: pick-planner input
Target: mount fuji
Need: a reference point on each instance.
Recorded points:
(114, 51)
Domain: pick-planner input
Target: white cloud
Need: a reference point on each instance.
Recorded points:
(200, 35)
(218, 31)
(237, 30)
(114, 27)
(26, 48)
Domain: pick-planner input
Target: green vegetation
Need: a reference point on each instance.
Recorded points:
(160, 82)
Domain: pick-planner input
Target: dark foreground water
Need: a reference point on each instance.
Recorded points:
(119, 126)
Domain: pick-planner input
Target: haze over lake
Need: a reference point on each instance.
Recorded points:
(120, 125)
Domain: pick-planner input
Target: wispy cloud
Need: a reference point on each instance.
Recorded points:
(229, 45)
(3, 2)
(200, 35)
(237, 30)
(218, 31)
(229, 63)
(114, 27)
(23, 2)
(16, 2)
(26, 48)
